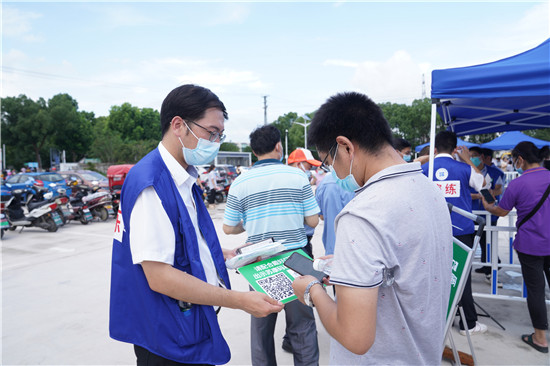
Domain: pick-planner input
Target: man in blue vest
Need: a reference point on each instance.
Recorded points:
(455, 178)
(168, 270)
(482, 158)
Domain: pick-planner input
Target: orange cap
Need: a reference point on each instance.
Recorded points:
(300, 154)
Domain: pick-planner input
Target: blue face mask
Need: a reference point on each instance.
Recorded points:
(348, 183)
(407, 158)
(519, 170)
(475, 160)
(204, 153)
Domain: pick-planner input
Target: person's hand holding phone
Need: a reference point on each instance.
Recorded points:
(487, 196)
(488, 206)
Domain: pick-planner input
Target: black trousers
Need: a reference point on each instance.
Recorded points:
(534, 268)
(212, 196)
(483, 246)
(148, 358)
(467, 300)
(308, 248)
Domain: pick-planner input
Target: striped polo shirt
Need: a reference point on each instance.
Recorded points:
(271, 200)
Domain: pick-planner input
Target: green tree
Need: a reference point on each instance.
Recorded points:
(295, 131)
(107, 144)
(26, 124)
(411, 122)
(542, 134)
(481, 138)
(73, 129)
(134, 124)
(229, 146)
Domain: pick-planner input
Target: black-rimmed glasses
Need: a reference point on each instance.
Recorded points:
(324, 166)
(214, 135)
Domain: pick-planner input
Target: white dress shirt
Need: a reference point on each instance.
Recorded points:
(152, 234)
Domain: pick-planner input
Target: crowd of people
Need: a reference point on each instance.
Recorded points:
(389, 246)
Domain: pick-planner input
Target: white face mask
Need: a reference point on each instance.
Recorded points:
(204, 153)
(308, 172)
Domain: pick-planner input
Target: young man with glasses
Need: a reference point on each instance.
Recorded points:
(168, 270)
(392, 257)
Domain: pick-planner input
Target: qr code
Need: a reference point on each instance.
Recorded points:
(278, 286)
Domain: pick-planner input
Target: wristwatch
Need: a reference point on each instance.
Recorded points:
(307, 297)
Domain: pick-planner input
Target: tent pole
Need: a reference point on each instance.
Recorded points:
(432, 142)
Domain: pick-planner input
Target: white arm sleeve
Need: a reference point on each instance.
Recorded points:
(151, 233)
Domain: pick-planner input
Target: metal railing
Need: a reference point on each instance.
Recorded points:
(492, 234)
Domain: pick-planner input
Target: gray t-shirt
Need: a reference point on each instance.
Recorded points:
(398, 220)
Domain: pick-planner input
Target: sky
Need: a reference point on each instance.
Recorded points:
(297, 54)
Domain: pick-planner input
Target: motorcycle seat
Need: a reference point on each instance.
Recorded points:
(33, 205)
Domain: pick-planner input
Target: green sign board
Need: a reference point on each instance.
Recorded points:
(460, 256)
(272, 277)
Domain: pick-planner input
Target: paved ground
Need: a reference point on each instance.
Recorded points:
(55, 295)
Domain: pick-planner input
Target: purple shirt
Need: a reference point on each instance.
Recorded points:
(524, 193)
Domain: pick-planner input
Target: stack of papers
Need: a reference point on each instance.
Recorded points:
(251, 253)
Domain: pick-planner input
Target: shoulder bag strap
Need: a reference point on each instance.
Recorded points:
(536, 208)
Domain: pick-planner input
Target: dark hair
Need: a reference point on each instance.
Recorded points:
(445, 142)
(354, 116)
(487, 152)
(189, 102)
(477, 149)
(529, 152)
(211, 167)
(400, 143)
(264, 139)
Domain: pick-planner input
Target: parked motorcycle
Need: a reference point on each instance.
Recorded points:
(98, 202)
(79, 210)
(40, 194)
(4, 223)
(41, 214)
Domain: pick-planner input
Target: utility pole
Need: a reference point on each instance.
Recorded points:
(265, 109)
(286, 147)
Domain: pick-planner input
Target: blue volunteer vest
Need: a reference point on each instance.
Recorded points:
(147, 318)
(451, 170)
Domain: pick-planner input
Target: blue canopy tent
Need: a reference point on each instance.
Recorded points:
(511, 94)
(459, 142)
(510, 139)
